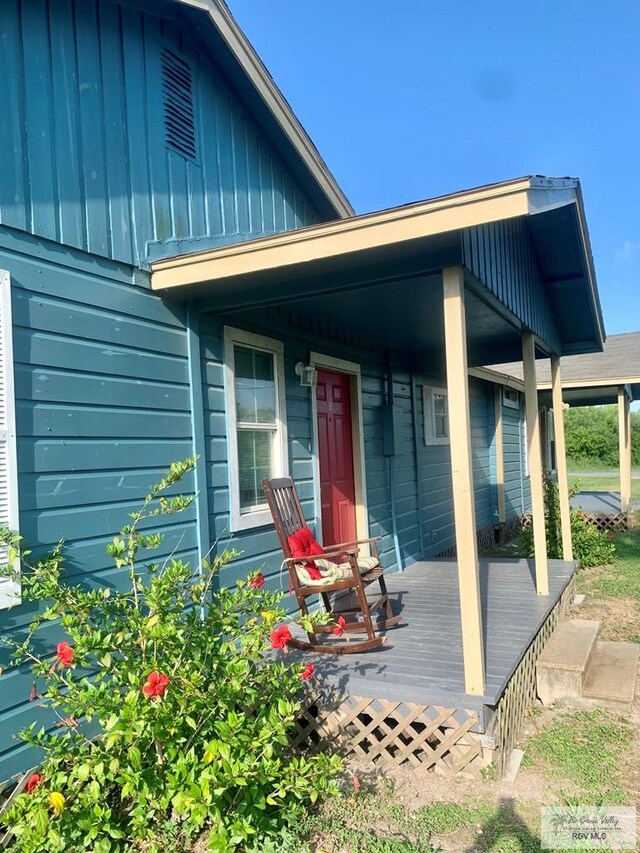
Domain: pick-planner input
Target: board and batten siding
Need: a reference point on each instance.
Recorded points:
(85, 162)
(102, 409)
(501, 255)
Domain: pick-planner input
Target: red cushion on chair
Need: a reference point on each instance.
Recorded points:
(296, 546)
(302, 543)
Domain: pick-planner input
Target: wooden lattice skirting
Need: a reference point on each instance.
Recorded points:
(618, 522)
(378, 730)
(521, 689)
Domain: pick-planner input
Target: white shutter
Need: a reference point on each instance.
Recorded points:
(9, 591)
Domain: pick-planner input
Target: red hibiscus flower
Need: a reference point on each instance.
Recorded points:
(33, 781)
(339, 629)
(64, 653)
(155, 685)
(307, 672)
(280, 637)
(257, 581)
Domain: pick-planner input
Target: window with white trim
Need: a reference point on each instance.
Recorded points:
(435, 406)
(257, 432)
(9, 585)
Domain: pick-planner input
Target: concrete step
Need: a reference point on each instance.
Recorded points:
(561, 667)
(610, 681)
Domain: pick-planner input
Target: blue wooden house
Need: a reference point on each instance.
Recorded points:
(175, 258)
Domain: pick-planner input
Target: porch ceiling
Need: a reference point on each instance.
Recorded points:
(406, 315)
(380, 274)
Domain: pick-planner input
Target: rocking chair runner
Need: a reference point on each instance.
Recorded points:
(352, 575)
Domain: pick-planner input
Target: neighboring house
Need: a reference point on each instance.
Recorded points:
(146, 152)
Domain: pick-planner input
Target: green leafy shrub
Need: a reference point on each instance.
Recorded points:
(190, 720)
(591, 546)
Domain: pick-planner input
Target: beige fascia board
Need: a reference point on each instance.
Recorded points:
(588, 256)
(333, 239)
(257, 72)
(496, 378)
(570, 384)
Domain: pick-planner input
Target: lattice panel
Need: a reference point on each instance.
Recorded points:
(617, 522)
(521, 690)
(381, 731)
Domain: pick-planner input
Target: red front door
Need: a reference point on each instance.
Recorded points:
(335, 449)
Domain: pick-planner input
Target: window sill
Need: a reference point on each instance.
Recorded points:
(249, 520)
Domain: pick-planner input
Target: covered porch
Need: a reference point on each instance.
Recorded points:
(416, 681)
(442, 287)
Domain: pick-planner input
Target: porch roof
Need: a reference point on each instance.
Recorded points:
(533, 267)
(592, 379)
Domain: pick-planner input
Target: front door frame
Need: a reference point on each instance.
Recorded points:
(352, 369)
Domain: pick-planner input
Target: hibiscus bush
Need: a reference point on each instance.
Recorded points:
(170, 719)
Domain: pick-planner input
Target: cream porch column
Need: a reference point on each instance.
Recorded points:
(535, 462)
(624, 438)
(455, 335)
(499, 438)
(561, 458)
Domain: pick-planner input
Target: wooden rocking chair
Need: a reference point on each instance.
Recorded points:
(352, 574)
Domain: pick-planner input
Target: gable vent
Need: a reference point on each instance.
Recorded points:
(177, 92)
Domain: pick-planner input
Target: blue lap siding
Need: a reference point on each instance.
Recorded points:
(102, 407)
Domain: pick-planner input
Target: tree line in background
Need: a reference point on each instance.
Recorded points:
(592, 436)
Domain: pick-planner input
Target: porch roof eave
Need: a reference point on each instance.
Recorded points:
(356, 234)
(407, 240)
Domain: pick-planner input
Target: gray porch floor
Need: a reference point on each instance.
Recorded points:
(601, 502)
(421, 661)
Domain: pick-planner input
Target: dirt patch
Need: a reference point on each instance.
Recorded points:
(619, 617)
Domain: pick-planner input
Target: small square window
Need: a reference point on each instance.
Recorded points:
(511, 398)
(436, 416)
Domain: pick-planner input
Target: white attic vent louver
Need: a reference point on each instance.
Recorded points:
(177, 91)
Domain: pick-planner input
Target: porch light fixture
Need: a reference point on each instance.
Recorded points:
(307, 374)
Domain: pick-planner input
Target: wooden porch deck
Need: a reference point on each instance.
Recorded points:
(421, 661)
(599, 502)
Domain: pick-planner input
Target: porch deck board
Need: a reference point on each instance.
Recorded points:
(601, 502)
(421, 661)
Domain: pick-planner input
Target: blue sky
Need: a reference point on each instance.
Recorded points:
(418, 98)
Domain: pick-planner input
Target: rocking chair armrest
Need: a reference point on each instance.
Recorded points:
(327, 554)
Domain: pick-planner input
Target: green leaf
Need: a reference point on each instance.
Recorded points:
(83, 772)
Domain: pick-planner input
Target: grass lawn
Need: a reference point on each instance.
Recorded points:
(571, 757)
